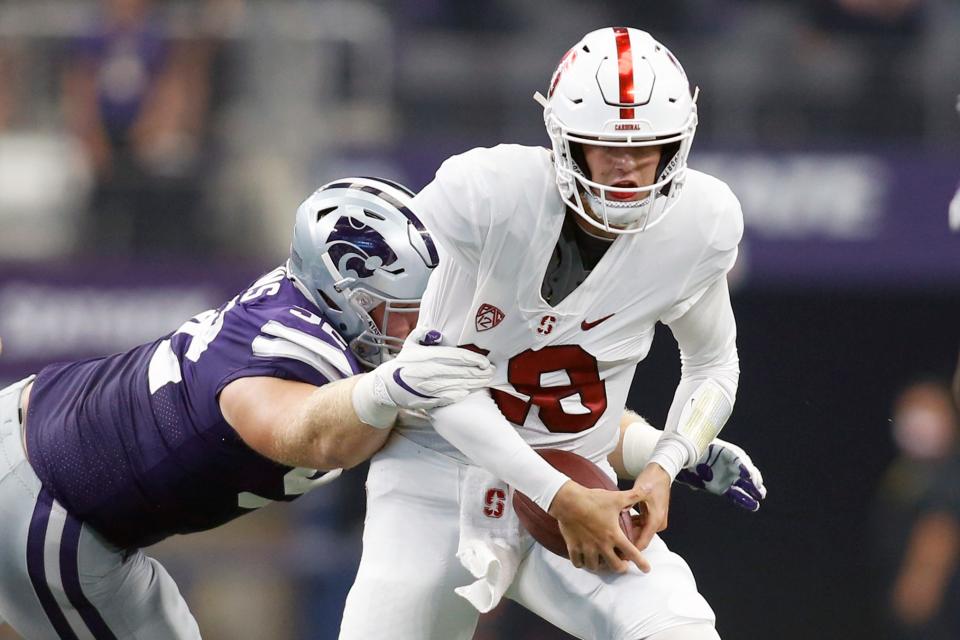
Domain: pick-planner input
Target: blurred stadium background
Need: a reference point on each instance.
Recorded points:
(148, 172)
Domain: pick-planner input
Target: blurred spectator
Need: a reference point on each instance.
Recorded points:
(676, 18)
(8, 86)
(478, 16)
(137, 101)
(879, 41)
(888, 18)
(917, 521)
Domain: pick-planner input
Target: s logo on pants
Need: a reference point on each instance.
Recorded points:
(494, 502)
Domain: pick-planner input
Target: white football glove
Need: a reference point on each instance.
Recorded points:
(423, 376)
(726, 470)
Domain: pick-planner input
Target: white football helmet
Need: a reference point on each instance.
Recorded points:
(619, 87)
(357, 245)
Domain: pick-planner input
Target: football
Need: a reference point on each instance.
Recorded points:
(542, 526)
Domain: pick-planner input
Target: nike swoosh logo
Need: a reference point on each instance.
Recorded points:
(586, 326)
(400, 381)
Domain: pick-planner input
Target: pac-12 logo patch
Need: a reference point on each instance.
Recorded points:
(488, 316)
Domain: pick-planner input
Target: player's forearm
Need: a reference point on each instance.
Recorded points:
(710, 372)
(476, 427)
(325, 432)
(638, 439)
(700, 409)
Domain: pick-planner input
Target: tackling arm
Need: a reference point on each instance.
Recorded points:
(341, 424)
(298, 424)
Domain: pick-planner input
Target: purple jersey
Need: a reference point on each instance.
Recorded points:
(127, 62)
(135, 444)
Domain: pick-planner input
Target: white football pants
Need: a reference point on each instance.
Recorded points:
(405, 585)
(58, 578)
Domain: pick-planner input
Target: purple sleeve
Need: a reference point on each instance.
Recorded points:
(274, 338)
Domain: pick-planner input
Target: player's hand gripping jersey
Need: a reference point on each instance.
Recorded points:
(497, 215)
(135, 443)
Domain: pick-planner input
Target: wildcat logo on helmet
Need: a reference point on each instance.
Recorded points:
(357, 247)
(488, 316)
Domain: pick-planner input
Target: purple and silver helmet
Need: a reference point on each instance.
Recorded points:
(357, 245)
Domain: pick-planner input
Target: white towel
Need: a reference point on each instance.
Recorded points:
(492, 542)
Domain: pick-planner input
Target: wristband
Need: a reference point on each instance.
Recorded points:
(639, 441)
(672, 453)
(372, 404)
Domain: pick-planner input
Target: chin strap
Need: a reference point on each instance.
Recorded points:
(634, 210)
(631, 208)
(621, 205)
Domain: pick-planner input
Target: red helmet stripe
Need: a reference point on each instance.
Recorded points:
(625, 65)
(561, 66)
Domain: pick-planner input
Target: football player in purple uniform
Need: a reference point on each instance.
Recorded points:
(256, 401)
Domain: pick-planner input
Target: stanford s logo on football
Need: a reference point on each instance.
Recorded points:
(488, 316)
(494, 502)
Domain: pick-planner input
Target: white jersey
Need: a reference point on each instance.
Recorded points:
(564, 371)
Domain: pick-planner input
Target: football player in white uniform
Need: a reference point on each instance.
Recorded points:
(557, 265)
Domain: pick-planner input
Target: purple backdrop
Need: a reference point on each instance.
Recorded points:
(67, 311)
(845, 219)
